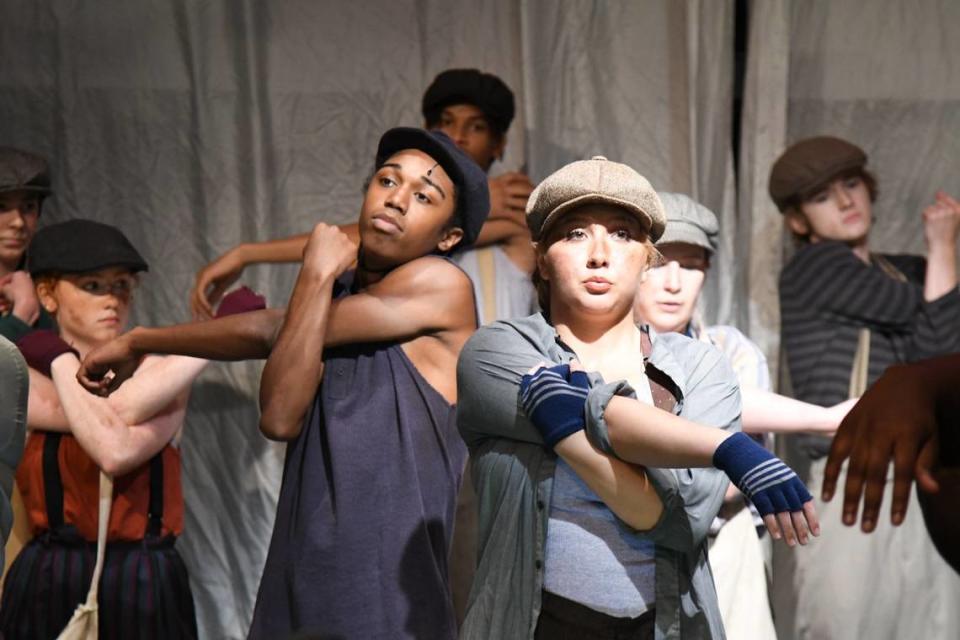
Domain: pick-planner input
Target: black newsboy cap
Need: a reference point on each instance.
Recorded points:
(22, 170)
(470, 86)
(79, 246)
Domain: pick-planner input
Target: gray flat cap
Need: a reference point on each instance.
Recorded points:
(688, 221)
(594, 181)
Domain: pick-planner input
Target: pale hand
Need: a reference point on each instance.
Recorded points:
(212, 282)
(21, 296)
(941, 221)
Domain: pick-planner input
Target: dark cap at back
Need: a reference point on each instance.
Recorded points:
(473, 195)
(79, 246)
(809, 164)
(22, 170)
(470, 86)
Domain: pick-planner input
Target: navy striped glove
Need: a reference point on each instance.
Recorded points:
(554, 398)
(771, 485)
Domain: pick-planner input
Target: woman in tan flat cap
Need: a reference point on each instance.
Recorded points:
(577, 540)
(847, 314)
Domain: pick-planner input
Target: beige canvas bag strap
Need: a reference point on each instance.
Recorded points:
(106, 503)
(84, 624)
(488, 283)
(860, 372)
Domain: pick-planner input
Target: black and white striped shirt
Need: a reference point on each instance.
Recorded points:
(827, 295)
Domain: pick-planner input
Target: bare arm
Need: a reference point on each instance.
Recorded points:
(426, 296)
(215, 278)
(116, 447)
(941, 220)
(766, 412)
(642, 434)
(159, 382)
(43, 405)
(295, 365)
(239, 337)
(624, 488)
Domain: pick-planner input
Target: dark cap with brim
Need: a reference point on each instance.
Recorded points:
(470, 86)
(79, 246)
(473, 195)
(810, 164)
(23, 171)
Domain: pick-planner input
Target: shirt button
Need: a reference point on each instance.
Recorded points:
(540, 505)
(538, 564)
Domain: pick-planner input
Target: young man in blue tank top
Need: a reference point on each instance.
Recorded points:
(360, 380)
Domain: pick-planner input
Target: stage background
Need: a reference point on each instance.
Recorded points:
(196, 125)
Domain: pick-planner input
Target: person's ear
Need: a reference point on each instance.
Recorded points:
(500, 147)
(797, 222)
(451, 238)
(541, 262)
(46, 294)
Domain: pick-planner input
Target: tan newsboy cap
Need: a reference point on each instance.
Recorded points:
(596, 180)
(809, 164)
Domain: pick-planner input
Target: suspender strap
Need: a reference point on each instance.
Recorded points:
(155, 514)
(662, 388)
(53, 486)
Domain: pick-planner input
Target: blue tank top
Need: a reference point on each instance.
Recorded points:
(366, 508)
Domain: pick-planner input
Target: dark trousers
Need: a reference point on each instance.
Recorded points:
(562, 619)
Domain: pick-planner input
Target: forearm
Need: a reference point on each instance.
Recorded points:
(499, 230)
(116, 447)
(941, 274)
(157, 383)
(624, 488)
(245, 336)
(284, 250)
(43, 405)
(765, 412)
(644, 435)
(295, 366)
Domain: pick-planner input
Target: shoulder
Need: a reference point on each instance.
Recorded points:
(510, 335)
(817, 254)
(425, 276)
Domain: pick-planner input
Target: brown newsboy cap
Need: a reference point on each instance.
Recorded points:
(809, 164)
(596, 180)
(22, 170)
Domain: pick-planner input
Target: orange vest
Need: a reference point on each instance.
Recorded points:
(80, 479)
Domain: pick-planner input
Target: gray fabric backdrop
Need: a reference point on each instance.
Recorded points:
(195, 125)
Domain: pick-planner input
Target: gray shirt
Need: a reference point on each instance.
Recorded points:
(513, 476)
(14, 384)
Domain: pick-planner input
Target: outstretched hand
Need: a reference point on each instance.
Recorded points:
(212, 281)
(894, 420)
(775, 490)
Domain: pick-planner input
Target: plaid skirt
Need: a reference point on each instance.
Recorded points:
(144, 589)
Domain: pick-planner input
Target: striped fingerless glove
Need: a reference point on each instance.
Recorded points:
(554, 398)
(770, 484)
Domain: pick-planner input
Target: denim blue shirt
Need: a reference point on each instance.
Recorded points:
(512, 472)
